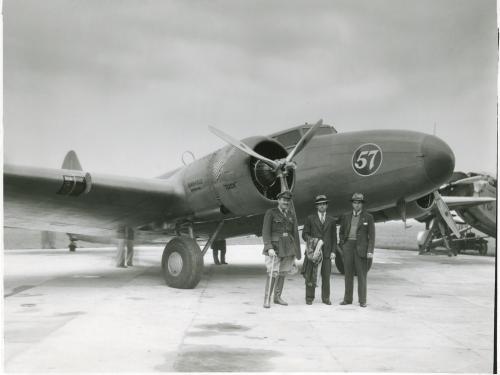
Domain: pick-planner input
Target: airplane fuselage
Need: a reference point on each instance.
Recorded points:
(388, 166)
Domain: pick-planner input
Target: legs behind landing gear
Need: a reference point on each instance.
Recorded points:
(125, 250)
(216, 256)
(130, 253)
(121, 254)
(216, 246)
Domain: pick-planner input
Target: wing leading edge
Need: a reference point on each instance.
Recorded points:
(462, 202)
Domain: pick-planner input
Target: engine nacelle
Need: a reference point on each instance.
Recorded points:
(232, 183)
(418, 209)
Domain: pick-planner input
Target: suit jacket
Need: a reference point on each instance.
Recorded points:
(327, 232)
(365, 232)
(280, 232)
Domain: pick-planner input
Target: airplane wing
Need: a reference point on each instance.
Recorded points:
(73, 201)
(462, 202)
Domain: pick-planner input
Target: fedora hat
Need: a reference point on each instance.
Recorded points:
(357, 197)
(320, 199)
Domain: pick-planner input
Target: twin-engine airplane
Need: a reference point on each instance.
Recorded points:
(226, 193)
(464, 194)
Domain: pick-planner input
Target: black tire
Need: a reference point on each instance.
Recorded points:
(182, 263)
(72, 247)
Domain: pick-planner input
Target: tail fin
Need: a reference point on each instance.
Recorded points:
(71, 161)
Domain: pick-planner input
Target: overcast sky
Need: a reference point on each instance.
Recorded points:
(130, 85)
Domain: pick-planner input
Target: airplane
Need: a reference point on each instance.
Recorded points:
(480, 214)
(481, 217)
(226, 193)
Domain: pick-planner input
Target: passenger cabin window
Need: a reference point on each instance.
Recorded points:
(289, 139)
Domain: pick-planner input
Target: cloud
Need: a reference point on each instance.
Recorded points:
(81, 68)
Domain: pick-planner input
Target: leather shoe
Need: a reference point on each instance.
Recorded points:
(309, 302)
(327, 302)
(362, 304)
(279, 301)
(345, 303)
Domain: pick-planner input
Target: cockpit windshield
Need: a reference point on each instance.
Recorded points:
(290, 138)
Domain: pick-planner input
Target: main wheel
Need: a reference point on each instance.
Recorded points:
(182, 263)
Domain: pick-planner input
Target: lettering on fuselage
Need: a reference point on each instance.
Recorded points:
(367, 159)
(195, 184)
(230, 186)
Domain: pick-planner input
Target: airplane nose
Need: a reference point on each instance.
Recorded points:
(439, 160)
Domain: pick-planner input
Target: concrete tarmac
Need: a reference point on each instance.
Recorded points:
(76, 312)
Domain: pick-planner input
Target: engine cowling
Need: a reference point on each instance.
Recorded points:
(418, 209)
(229, 182)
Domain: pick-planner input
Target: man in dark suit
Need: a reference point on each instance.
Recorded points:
(357, 240)
(319, 226)
(281, 246)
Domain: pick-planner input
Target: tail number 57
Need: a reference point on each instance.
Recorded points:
(363, 157)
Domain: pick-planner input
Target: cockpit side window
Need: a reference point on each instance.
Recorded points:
(288, 139)
(323, 130)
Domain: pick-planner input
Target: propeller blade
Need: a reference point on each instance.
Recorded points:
(303, 141)
(243, 147)
(445, 214)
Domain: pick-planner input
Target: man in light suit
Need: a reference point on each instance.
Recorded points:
(319, 226)
(357, 240)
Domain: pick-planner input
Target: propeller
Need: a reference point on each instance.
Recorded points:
(243, 147)
(280, 167)
(303, 141)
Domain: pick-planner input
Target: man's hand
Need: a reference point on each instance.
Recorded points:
(369, 255)
(271, 252)
(332, 256)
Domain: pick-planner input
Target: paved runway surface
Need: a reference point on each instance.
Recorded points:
(76, 312)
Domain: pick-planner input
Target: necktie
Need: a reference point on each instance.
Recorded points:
(323, 219)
